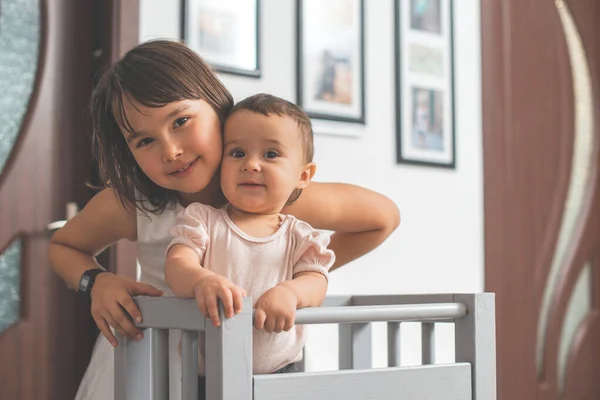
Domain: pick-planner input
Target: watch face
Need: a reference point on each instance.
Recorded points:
(83, 284)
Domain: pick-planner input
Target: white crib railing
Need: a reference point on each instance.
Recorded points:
(141, 368)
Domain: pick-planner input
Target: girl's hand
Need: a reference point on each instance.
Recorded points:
(111, 297)
(213, 287)
(276, 310)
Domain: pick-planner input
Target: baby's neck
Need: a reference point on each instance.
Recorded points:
(257, 225)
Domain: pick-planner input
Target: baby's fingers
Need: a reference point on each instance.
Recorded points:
(238, 298)
(279, 325)
(213, 310)
(227, 298)
(259, 318)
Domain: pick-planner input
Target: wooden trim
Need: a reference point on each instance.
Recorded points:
(452, 382)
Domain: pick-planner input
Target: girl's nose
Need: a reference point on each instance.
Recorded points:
(172, 151)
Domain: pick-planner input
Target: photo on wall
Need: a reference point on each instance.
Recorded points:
(425, 15)
(224, 33)
(331, 59)
(425, 133)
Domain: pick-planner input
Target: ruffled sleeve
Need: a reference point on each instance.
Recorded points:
(191, 229)
(312, 253)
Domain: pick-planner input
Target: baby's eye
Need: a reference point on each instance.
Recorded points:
(237, 153)
(144, 142)
(180, 121)
(271, 154)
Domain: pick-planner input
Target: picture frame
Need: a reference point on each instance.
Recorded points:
(330, 59)
(424, 73)
(226, 34)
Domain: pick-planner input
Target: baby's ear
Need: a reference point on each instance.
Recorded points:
(307, 174)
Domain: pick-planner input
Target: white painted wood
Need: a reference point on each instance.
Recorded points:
(439, 382)
(141, 367)
(427, 343)
(475, 342)
(120, 368)
(229, 356)
(390, 299)
(189, 365)
(362, 314)
(393, 338)
(355, 346)
(337, 301)
(170, 313)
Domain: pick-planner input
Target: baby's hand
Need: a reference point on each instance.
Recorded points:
(213, 287)
(276, 310)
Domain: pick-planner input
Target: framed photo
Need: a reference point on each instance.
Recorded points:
(224, 33)
(425, 132)
(331, 78)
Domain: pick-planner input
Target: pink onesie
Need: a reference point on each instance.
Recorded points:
(255, 264)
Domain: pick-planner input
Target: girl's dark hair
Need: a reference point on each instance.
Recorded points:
(267, 104)
(153, 73)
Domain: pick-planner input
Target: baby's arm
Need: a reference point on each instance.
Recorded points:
(276, 308)
(361, 218)
(187, 278)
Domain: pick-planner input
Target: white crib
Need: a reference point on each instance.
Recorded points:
(141, 368)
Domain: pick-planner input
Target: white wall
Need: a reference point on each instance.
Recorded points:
(439, 245)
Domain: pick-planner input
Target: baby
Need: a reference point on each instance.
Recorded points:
(248, 247)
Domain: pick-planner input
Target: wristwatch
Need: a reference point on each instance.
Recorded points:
(86, 282)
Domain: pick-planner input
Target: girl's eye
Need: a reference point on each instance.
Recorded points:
(144, 142)
(237, 153)
(271, 154)
(180, 121)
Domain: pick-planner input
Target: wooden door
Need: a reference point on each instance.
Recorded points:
(50, 51)
(541, 69)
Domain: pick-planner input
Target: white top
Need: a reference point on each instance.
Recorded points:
(255, 264)
(153, 238)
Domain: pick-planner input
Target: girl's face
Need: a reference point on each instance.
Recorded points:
(263, 162)
(178, 146)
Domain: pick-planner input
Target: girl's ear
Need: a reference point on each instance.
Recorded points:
(307, 174)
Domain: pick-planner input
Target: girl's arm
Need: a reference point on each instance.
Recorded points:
(362, 219)
(73, 249)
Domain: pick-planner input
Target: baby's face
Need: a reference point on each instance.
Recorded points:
(263, 161)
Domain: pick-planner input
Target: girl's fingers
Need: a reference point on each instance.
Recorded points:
(129, 305)
(112, 322)
(105, 329)
(123, 322)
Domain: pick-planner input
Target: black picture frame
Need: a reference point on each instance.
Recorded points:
(210, 52)
(348, 107)
(424, 147)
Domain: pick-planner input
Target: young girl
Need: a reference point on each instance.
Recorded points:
(157, 117)
(248, 246)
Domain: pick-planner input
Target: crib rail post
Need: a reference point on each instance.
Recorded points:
(394, 342)
(355, 348)
(427, 343)
(229, 356)
(475, 342)
(150, 378)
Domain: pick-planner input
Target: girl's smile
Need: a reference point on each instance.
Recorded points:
(183, 170)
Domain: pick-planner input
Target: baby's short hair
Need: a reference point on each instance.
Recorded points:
(267, 104)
